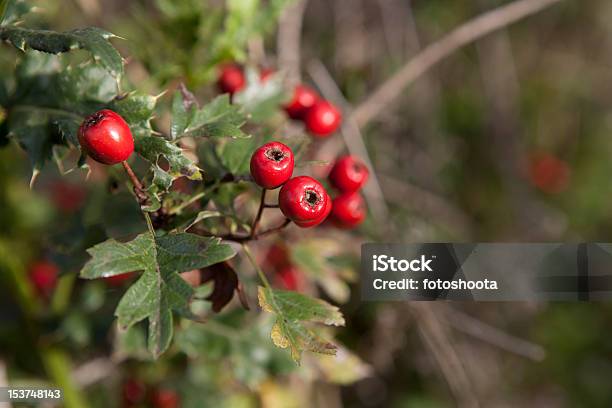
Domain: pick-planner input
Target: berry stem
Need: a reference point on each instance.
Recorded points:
(262, 205)
(135, 182)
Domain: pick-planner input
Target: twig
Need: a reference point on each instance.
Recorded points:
(434, 53)
(262, 205)
(438, 342)
(289, 39)
(352, 138)
(135, 182)
(237, 238)
(492, 335)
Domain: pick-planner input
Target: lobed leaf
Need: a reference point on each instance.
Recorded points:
(92, 39)
(293, 310)
(160, 289)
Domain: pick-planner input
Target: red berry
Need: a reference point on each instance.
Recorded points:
(277, 256)
(232, 79)
(549, 173)
(272, 165)
(165, 398)
(290, 278)
(304, 98)
(118, 280)
(349, 210)
(106, 137)
(67, 197)
(133, 392)
(303, 200)
(265, 74)
(43, 275)
(319, 220)
(323, 119)
(349, 174)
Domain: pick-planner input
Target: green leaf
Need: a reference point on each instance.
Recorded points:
(261, 99)
(292, 310)
(160, 289)
(152, 147)
(11, 11)
(219, 118)
(92, 39)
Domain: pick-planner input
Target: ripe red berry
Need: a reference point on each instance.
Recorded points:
(277, 256)
(349, 210)
(165, 398)
(231, 80)
(118, 280)
(43, 275)
(272, 165)
(323, 119)
(349, 174)
(319, 220)
(133, 392)
(549, 173)
(265, 74)
(304, 98)
(303, 200)
(289, 278)
(106, 137)
(67, 197)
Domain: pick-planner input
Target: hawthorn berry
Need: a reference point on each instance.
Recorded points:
(118, 280)
(231, 80)
(304, 201)
(348, 210)
(349, 174)
(165, 398)
(323, 119)
(272, 165)
(277, 256)
(319, 220)
(265, 74)
(289, 277)
(549, 173)
(67, 197)
(106, 137)
(303, 99)
(133, 391)
(43, 275)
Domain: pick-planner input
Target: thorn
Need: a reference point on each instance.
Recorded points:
(35, 174)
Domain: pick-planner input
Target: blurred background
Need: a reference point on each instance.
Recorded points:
(507, 139)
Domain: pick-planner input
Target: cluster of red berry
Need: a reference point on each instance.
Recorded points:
(320, 116)
(135, 394)
(303, 199)
(286, 274)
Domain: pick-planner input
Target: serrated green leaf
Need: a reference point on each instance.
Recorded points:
(135, 108)
(293, 310)
(160, 289)
(152, 147)
(219, 118)
(92, 39)
(12, 10)
(183, 112)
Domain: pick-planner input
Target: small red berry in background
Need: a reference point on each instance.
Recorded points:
(348, 210)
(119, 280)
(134, 392)
(277, 256)
(304, 201)
(289, 278)
(549, 173)
(193, 277)
(323, 119)
(106, 137)
(43, 275)
(231, 80)
(165, 398)
(304, 98)
(349, 174)
(272, 165)
(67, 197)
(265, 74)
